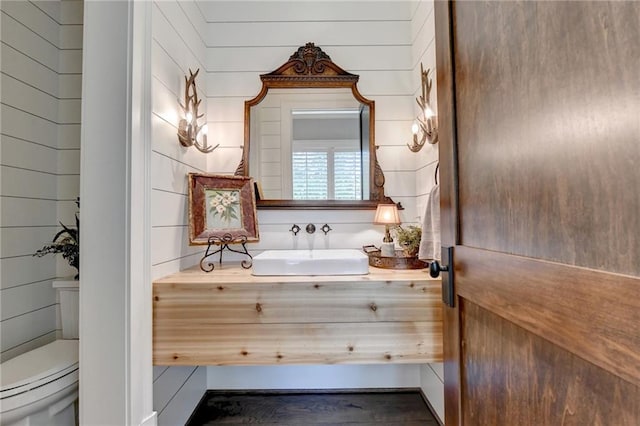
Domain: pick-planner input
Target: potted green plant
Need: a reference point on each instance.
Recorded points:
(409, 239)
(67, 242)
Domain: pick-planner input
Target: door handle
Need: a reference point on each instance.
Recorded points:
(448, 289)
(435, 268)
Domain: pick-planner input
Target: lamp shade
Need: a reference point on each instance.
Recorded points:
(387, 214)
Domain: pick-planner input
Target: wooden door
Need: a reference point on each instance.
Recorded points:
(539, 113)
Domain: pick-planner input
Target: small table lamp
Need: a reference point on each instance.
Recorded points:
(387, 214)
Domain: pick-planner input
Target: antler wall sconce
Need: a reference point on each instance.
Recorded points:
(425, 123)
(188, 128)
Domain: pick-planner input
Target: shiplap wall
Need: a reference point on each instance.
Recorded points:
(383, 42)
(423, 52)
(369, 38)
(41, 83)
(177, 46)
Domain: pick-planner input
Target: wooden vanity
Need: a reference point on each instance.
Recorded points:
(229, 317)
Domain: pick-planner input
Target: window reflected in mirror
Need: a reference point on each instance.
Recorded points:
(309, 145)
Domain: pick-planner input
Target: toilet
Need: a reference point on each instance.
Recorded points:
(40, 387)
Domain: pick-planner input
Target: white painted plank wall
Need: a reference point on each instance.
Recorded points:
(177, 46)
(372, 39)
(240, 40)
(41, 80)
(423, 51)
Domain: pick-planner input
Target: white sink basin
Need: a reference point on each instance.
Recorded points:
(311, 262)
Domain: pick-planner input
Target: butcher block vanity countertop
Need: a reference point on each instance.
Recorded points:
(234, 273)
(230, 317)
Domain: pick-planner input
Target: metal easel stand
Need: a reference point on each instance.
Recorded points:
(224, 242)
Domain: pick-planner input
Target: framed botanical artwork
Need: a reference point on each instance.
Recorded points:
(222, 208)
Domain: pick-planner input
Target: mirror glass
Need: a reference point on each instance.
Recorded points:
(309, 138)
(309, 144)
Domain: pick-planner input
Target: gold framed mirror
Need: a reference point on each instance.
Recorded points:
(310, 144)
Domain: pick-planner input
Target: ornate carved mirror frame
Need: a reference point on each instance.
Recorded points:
(310, 67)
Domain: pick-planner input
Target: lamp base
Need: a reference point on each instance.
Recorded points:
(387, 250)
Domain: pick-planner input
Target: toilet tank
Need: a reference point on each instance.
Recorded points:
(69, 297)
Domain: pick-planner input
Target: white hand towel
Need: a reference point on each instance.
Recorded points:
(430, 240)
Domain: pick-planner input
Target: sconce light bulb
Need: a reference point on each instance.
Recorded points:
(205, 130)
(414, 128)
(189, 117)
(428, 112)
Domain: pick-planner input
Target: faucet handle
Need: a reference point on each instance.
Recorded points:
(325, 228)
(295, 229)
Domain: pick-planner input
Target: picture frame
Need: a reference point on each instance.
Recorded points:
(222, 209)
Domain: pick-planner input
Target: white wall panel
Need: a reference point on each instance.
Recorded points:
(71, 12)
(25, 241)
(170, 242)
(24, 125)
(314, 377)
(70, 86)
(165, 142)
(179, 409)
(16, 301)
(174, 208)
(69, 161)
(433, 388)
(69, 136)
(68, 187)
(225, 160)
(69, 111)
(171, 266)
(30, 156)
(170, 39)
(35, 172)
(169, 174)
(17, 330)
(166, 69)
(394, 108)
(328, 33)
(26, 183)
(243, 40)
(176, 47)
(30, 43)
(26, 269)
(353, 58)
(70, 37)
(24, 97)
(195, 16)
(20, 66)
(34, 19)
(28, 345)
(51, 8)
(163, 385)
(256, 11)
(187, 32)
(27, 211)
(70, 62)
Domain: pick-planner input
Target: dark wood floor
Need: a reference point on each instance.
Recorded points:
(392, 408)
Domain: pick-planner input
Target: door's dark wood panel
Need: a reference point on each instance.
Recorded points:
(590, 313)
(448, 199)
(518, 373)
(548, 130)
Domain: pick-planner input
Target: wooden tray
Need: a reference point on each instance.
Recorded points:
(399, 261)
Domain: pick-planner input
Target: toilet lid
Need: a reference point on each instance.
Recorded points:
(39, 366)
